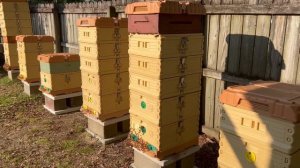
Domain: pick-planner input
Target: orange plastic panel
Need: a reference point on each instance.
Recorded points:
(151, 7)
(58, 57)
(273, 99)
(102, 22)
(34, 38)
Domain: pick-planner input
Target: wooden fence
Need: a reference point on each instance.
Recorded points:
(245, 40)
(59, 21)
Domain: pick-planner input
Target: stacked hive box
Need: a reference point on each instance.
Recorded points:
(60, 73)
(165, 53)
(14, 20)
(29, 47)
(260, 126)
(103, 44)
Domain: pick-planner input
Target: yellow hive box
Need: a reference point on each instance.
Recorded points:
(165, 88)
(35, 48)
(30, 46)
(166, 138)
(11, 61)
(97, 35)
(105, 84)
(166, 111)
(15, 6)
(61, 83)
(165, 68)
(16, 31)
(10, 49)
(106, 106)
(103, 50)
(274, 133)
(95, 30)
(106, 66)
(15, 23)
(166, 46)
(237, 152)
(29, 73)
(11, 15)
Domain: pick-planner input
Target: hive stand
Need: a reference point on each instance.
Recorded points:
(110, 130)
(185, 159)
(13, 74)
(31, 88)
(63, 104)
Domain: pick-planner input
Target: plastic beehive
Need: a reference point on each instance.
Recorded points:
(105, 84)
(35, 44)
(278, 134)
(60, 67)
(106, 66)
(106, 106)
(165, 68)
(95, 30)
(61, 83)
(162, 139)
(29, 73)
(15, 31)
(166, 111)
(103, 50)
(240, 152)
(166, 46)
(15, 15)
(165, 88)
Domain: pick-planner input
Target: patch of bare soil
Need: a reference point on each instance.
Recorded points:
(32, 137)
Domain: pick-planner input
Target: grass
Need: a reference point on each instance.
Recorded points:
(5, 81)
(70, 145)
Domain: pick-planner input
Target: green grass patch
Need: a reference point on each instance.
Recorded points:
(79, 128)
(5, 81)
(15, 99)
(70, 145)
(86, 150)
(43, 141)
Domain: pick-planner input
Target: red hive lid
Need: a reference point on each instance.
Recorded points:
(34, 38)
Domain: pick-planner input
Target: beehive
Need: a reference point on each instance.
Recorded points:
(103, 45)
(29, 47)
(164, 140)
(166, 46)
(240, 152)
(63, 82)
(260, 125)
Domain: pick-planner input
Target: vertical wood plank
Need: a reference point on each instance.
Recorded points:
(277, 37)
(236, 31)
(247, 45)
(260, 54)
(218, 106)
(223, 44)
(213, 41)
(209, 102)
(291, 50)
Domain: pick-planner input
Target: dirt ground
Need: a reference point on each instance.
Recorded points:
(32, 137)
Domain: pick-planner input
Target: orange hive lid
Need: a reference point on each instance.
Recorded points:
(152, 7)
(272, 99)
(34, 38)
(58, 57)
(103, 22)
(194, 8)
(9, 39)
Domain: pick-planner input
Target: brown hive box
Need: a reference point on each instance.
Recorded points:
(93, 30)
(35, 44)
(166, 7)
